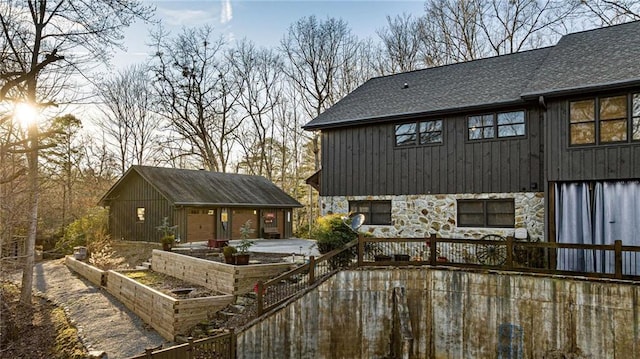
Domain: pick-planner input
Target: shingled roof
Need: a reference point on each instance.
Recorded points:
(588, 59)
(596, 58)
(205, 188)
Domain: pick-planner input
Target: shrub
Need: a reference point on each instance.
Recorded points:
(89, 230)
(105, 258)
(331, 232)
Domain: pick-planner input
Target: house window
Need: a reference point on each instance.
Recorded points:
(486, 213)
(419, 133)
(140, 214)
(582, 122)
(430, 132)
(375, 212)
(510, 124)
(481, 127)
(501, 125)
(604, 120)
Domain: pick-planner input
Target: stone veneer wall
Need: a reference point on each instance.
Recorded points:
(415, 216)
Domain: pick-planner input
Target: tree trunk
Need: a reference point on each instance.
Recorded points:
(27, 273)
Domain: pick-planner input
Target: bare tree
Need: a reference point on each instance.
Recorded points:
(401, 43)
(609, 12)
(316, 52)
(462, 30)
(196, 93)
(129, 118)
(47, 41)
(516, 25)
(451, 32)
(259, 76)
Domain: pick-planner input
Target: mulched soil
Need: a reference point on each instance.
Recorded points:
(168, 284)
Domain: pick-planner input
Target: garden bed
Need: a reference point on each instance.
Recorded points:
(169, 285)
(220, 277)
(168, 315)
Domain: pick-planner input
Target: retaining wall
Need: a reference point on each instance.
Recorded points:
(454, 314)
(93, 274)
(167, 315)
(221, 277)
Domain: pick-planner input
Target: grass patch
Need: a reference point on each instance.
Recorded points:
(147, 277)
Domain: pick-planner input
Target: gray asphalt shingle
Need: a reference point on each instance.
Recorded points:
(580, 60)
(192, 187)
(589, 59)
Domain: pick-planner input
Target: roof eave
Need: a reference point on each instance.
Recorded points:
(569, 91)
(254, 205)
(413, 115)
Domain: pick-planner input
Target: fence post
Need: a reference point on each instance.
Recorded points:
(510, 252)
(190, 351)
(360, 249)
(312, 269)
(617, 246)
(149, 353)
(233, 342)
(259, 297)
(433, 248)
(553, 257)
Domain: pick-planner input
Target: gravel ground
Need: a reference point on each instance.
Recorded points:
(103, 323)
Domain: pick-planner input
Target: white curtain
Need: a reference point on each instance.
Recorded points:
(573, 225)
(617, 217)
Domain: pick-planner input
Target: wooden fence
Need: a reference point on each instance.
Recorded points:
(221, 346)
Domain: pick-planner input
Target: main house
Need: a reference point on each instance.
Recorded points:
(547, 140)
(204, 205)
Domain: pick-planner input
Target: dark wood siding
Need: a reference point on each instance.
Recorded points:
(133, 193)
(597, 162)
(363, 160)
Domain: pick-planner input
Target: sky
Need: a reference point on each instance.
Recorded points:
(261, 21)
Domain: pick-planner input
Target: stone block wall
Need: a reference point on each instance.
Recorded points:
(416, 216)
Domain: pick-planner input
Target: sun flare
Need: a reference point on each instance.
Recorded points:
(26, 114)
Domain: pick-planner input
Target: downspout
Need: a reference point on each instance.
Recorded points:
(545, 176)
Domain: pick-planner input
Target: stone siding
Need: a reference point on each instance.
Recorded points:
(415, 216)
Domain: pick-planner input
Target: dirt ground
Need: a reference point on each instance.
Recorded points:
(97, 321)
(103, 323)
(40, 333)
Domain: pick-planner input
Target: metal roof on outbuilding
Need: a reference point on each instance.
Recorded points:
(206, 188)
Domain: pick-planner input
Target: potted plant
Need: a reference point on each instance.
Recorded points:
(168, 233)
(229, 254)
(242, 257)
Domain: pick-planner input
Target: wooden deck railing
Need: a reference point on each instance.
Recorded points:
(604, 261)
(277, 290)
(221, 346)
